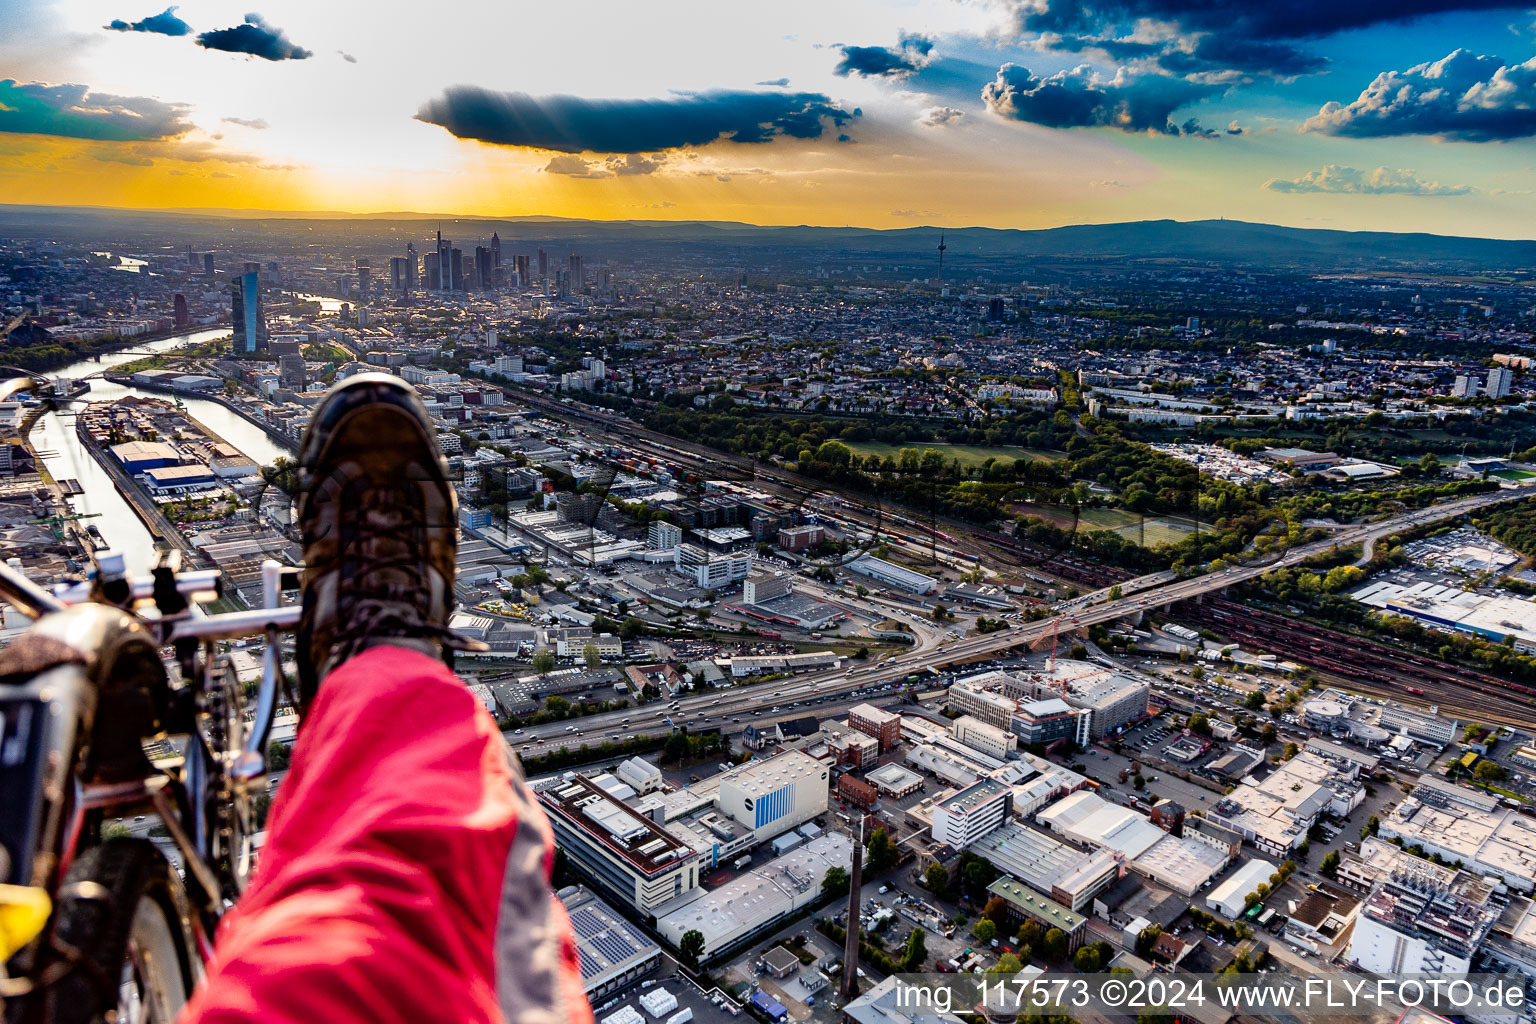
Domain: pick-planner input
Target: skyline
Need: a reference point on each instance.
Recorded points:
(995, 114)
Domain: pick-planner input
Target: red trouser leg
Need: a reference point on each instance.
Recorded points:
(406, 871)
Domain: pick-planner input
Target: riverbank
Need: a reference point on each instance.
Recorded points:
(275, 435)
(74, 354)
(160, 528)
(58, 498)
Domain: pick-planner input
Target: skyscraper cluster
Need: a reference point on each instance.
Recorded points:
(485, 268)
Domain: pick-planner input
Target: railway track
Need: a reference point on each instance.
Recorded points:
(1378, 667)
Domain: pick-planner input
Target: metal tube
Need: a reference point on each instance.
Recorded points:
(29, 598)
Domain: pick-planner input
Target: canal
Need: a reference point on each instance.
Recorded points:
(54, 438)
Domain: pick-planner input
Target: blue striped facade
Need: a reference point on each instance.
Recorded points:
(775, 805)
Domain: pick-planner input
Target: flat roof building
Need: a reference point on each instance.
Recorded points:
(757, 899)
(612, 953)
(774, 794)
(628, 855)
(1025, 904)
(1064, 873)
(891, 574)
(1231, 896)
(971, 813)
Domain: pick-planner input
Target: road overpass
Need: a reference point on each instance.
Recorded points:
(1155, 590)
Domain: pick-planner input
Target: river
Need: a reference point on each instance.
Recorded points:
(54, 436)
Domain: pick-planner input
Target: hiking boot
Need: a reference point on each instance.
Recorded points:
(378, 520)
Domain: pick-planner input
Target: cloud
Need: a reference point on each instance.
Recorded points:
(255, 38)
(574, 124)
(936, 117)
(1214, 36)
(615, 166)
(1082, 98)
(347, 57)
(575, 167)
(1464, 96)
(634, 163)
(779, 82)
(257, 123)
(1383, 181)
(130, 158)
(165, 23)
(912, 53)
(74, 112)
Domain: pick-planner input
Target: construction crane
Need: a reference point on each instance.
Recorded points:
(58, 520)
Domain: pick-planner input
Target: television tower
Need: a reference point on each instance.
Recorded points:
(942, 247)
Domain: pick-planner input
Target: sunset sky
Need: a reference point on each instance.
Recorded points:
(1389, 115)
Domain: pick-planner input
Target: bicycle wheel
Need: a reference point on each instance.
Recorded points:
(119, 915)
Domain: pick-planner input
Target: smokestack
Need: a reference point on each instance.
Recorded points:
(850, 986)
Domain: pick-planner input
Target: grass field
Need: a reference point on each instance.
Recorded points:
(968, 454)
(1153, 531)
(1513, 474)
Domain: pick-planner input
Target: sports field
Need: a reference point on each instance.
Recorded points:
(1149, 531)
(968, 454)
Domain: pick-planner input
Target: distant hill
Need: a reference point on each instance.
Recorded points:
(1228, 242)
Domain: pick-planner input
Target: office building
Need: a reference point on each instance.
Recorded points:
(877, 722)
(711, 571)
(1047, 721)
(364, 282)
(774, 794)
(179, 305)
(966, 816)
(1025, 904)
(457, 281)
(798, 538)
(208, 265)
(442, 282)
(245, 307)
(626, 854)
(397, 276)
(483, 270)
(495, 250)
(662, 535)
(764, 585)
(1276, 813)
(1500, 378)
(1115, 700)
(988, 739)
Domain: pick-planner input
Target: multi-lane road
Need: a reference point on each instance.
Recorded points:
(830, 691)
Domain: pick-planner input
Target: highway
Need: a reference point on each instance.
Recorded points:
(765, 703)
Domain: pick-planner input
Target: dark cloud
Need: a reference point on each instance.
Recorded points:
(347, 57)
(1464, 96)
(883, 62)
(165, 23)
(1081, 98)
(574, 124)
(74, 112)
(256, 38)
(1213, 36)
(1383, 181)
